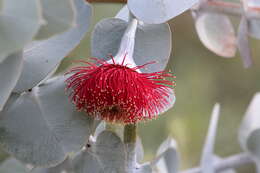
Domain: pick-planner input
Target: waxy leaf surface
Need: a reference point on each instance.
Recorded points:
(107, 36)
(59, 16)
(41, 57)
(158, 11)
(19, 22)
(167, 159)
(207, 160)
(10, 70)
(249, 134)
(216, 32)
(42, 126)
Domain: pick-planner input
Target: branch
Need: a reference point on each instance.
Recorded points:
(229, 8)
(227, 163)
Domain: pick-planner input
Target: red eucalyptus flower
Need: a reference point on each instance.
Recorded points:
(116, 90)
(117, 93)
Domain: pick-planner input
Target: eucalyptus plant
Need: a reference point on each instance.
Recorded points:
(68, 123)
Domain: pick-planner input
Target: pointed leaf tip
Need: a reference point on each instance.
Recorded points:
(207, 160)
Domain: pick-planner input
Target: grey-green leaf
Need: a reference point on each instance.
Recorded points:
(254, 28)
(19, 22)
(41, 57)
(64, 167)
(167, 159)
(149, 39)
(217, 34)
(139, 149)
(243, 43)
(13, 166)
(86, 162)
(249, 133)
(144, 168)
(109, 149)
(155, 12)
(49, 126)
(10, 70)
(59, 16)
(207, 160)
(123, 14)
(218, 159)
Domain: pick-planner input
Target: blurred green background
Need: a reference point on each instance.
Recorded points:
(203, 79)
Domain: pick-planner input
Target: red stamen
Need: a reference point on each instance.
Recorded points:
(117, 93)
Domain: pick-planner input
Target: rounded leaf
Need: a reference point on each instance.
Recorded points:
(109, 149)
(249, 134)
(155, 12)
(85, 162)
(10, 70)
(13, 166)
(49, 126)
(19, 22)
(59, 16)
(107, 36)
(216, 32)
(41, 57)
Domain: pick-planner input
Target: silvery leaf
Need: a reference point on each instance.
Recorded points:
(123, 14)
(207, 160)
(254, 28)
(217, 34)
(148, 46)
(139, 149)
(167, 159)
(41, 57)
(144, 168)
(109, 150)
(49, 126)
(59, 16)
(218, 159)
(64, 167)
(85, 162)
(13, 166)
(243, 43)
(155, 12)
(249, 133)
(19, 22)
(10, 70)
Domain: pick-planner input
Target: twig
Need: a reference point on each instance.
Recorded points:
(229, 8)
(227, 163)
